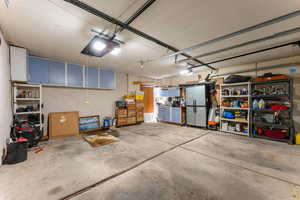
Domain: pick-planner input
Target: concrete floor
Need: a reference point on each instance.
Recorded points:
(157, 161)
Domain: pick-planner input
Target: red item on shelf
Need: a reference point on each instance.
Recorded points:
(277, 134)
(270, 78)
(278, 107)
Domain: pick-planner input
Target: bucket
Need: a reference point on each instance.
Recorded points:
(16, 153)
(298, 138)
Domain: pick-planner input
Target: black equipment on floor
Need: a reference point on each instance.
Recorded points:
(28, 130)
(16, 153)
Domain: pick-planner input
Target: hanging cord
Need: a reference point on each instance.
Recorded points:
(256, 69)
(120, 16)
(86, 81)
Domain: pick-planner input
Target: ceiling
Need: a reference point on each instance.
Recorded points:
(58, 30)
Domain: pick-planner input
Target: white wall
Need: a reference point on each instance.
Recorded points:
(101, 102)
(5, 94)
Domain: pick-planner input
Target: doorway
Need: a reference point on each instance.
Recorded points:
(149, 103)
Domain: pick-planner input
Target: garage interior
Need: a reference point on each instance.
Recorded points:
(148, 99)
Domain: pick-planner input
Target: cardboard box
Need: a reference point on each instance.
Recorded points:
(139, 96)
(131, 107)
(131, 120)
(131, 113)
(121, 121)
(63, 124)
(121, 113)
(140, 105)
(140, 119)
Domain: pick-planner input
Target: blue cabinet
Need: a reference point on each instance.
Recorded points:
(56, 72)
(167, 115)
(164, 93)
(174, 92)
(91, 77)
(75, 75)
(171, 92)
(176, 113)
(51, 72)
(38, 70)
(163, 112)
(107, 79)
(45, 71)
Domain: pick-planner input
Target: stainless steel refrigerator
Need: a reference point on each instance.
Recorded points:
(196, 106)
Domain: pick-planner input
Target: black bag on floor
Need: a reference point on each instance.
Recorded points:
(16, 153)
(237, 79)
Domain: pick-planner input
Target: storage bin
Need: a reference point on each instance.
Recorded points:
(278, 134)
(16, 153)
(298, 138)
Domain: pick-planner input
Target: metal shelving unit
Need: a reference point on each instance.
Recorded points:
(245, 97)
(288, 97)
(32, 97)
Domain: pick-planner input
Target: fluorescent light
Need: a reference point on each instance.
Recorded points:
(183, 72)
(99, 46)
(186, 72)
(116, 51)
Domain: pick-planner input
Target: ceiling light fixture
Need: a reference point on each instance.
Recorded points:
(99, 46)
(186, 72)
(116, 51)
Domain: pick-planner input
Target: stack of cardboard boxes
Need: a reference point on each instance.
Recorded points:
(132, 112)
(139, 111)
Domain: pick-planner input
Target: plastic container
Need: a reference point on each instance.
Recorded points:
(297, 136)
(277, 134)
(255, 105)
(16, 153)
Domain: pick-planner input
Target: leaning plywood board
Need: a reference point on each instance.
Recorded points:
(63, 124)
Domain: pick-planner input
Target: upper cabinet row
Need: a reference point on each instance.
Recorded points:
(50, 72)
(170, 92)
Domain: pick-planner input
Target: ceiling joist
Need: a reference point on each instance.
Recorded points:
(117, 22)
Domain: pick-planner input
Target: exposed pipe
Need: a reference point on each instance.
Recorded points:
(250, 53)
(112, 20)
(242, 31)
(273, 36)
(257, 69)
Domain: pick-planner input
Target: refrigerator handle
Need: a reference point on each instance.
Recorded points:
(194, 104)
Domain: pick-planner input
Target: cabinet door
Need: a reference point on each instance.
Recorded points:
(201, 117)
(38, 70)
(168, 114)
(91, 77)
(161, 114)
(190, 116)
(176, 115)
(56, 72)
(107, 79)
(190, 96)
(174, 92)
(75, 75)
(200, 95)
(164, 93)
